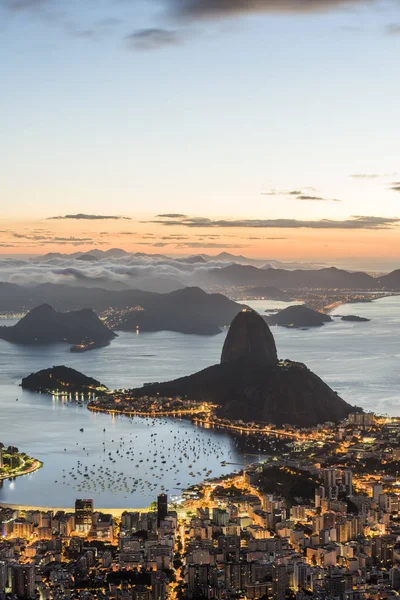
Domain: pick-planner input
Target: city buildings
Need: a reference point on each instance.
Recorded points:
(162, 508)
(83, 515)
(320, 519)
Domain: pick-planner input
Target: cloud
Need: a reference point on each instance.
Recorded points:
(209, 245)
(354, 222)
(174, 237)
(364, 176)
(282, 193)
(50, 238)
(155, 244)
(316, 198)
(395, 186)
(172, 216)
(152, 39)
(138, 271)
(393, 29)
(226, 8)
(372, 175)
(264, 238)
(301, 194)
(81, 216)
(21, 5)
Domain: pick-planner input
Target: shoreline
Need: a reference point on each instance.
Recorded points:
(38, 464)
(331, 307)
(115, 512)
(196, 417)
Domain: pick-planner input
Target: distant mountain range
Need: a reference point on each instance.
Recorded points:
(116, 269)
(100, 291)
(190, 310)
(328, 278)
(96, 254)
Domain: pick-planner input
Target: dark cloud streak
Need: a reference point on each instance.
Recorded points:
(171, 216)
(226, 8)
(354, 222)
(152, 39)
(83, 217)
(304, 197)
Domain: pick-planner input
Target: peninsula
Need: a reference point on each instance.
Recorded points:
(62, 380)
(14, 463)
(249, 384)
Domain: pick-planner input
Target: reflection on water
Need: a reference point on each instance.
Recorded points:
(359, 360)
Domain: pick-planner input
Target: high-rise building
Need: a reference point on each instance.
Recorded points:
(347, 481)
(330, 478)
(162, 508)
(394, 578)
(23, 581)
(363, 419)
(301, 576)
(383, 549)
(201, 580)
(83, 514)
(336, 584)
(280, 581)
(3, 576)
(220, 516)
(319, 496)
(159, 584)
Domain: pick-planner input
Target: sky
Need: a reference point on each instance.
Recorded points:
(267, 128)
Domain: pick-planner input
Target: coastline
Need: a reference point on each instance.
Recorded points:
(197, 417)
(37, 464)
(329, 308)
(115, 512)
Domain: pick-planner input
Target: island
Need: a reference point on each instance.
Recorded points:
(61, 380)
(298, 316)
(250, 384)
(14, 463)
(355, 319)
(44, 325)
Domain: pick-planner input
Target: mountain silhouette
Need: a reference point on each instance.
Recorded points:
(44, 325)
(251, 383)
(299, 316)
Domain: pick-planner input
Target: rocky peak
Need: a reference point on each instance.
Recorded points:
(250, 338)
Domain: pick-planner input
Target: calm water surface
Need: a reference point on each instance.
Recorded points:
(359, 360)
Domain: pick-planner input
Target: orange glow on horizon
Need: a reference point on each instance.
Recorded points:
(297, 244)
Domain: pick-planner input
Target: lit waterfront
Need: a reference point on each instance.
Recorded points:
(42, 427)
(120, 461)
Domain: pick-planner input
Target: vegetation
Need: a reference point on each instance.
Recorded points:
(16, 464)
(293, 484)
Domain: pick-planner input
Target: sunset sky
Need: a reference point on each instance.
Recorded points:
(188, 126)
